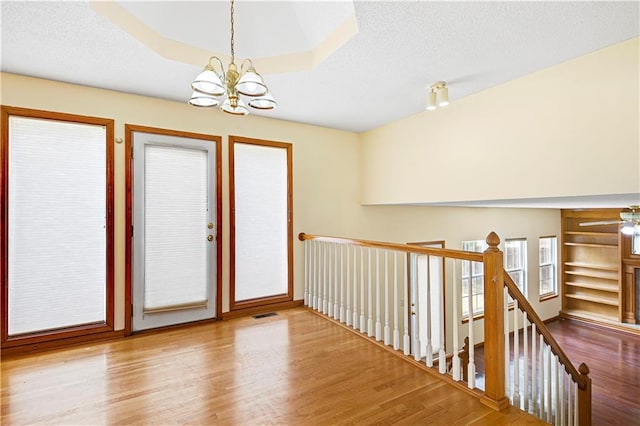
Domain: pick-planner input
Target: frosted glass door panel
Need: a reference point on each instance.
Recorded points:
(175, 245)
(57, 225)
(174, 250)
(261, 232)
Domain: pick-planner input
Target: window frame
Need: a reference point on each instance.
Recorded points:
(523, 260)
(477, 314)
(81, 332)
(554, 267)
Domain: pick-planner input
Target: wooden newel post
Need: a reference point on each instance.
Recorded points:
(584, 396)
(494, 357)
(464, 359)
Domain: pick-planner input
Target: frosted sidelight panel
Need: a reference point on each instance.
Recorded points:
(175, 227)
(57, 225)
(261, 233)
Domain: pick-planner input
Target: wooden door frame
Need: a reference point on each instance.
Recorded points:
(276, 300)
(129, 130)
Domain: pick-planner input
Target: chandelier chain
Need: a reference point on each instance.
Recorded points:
(233, 54)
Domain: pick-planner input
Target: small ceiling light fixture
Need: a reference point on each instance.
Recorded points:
(208, 85)
(438, 95)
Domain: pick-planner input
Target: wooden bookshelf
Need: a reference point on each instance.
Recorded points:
(591, 265)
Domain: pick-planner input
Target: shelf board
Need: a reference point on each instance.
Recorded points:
(589, 316)
(592, 233)
(595, 299)
(613, 268)
(595, 286)
(593, 275)
(591, 245)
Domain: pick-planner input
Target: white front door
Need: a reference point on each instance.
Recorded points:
(174, 235)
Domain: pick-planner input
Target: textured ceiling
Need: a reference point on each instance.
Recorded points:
(378, 76)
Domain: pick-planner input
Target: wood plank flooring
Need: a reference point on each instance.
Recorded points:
(614, 361)
(293, 368)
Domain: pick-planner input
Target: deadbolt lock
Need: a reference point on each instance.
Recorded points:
(210, 225)
(209, 237)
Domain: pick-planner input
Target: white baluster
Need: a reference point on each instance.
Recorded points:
(336, 283)
(561, 377)
(554, 376)
(415, 312)
(471, 368)
(406, 342)
(370, 293)
(442, 354)
(330, 281)
(362, 316)
(348, 290)
(396, 331)
(516, 356)
(534, 378)
(548, 383)
(456, 324)
(322, 301)
(541, 379)
(378, 301)
(355, 287)
(576, 418)
(341, 316)
(312, 290)
(525, 362)
(387, 329)
(507, 352)
(428, 359)
(570, 401)
(306, 273)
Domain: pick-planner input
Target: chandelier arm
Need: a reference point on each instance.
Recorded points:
(219, 62)
(244, 62)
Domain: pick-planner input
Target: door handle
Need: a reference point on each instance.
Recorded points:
(209, 237)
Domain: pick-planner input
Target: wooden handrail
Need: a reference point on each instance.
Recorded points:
(526, 307)
(580, 376)
(407, 248)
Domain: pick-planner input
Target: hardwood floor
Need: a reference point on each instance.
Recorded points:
(293, 368)
(614, 361)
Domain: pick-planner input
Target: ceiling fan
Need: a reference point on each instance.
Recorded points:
(630, 221)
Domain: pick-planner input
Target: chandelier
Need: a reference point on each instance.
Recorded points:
(208, 85)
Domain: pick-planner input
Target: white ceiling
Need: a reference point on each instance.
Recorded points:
(380, 75)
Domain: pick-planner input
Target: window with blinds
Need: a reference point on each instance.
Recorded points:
(58, 225)
(175, 214)
(261, 233)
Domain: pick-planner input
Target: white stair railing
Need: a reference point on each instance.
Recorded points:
(395, 294)
(540, 379)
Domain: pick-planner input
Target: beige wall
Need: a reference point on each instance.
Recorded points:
(575, 119)
(572, 129)
(325, 161)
